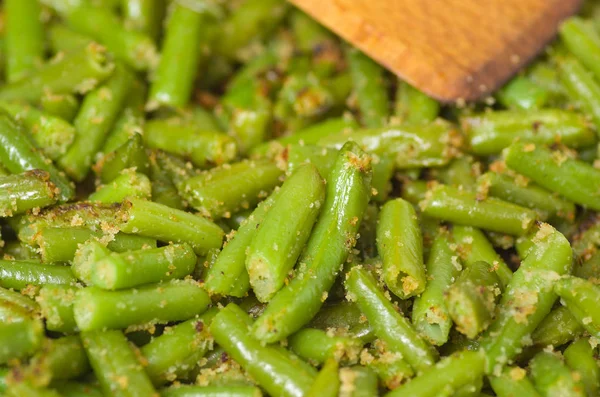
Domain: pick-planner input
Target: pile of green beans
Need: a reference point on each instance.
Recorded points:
(221, 198)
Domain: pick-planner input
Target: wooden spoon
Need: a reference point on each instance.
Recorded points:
(450, 49)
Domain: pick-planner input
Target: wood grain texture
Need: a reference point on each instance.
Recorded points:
(450, 49)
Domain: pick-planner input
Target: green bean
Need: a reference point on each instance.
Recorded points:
(580, 357)
(400, 246)
(56, 303)
(408, 145)
(513, 382)
(93, 122)
(390, 367)
(64, 39)
(573, 179)
(158, 221)
(28, 389)
(133, 268)
(527, 195)
(26, 191)
(430, 314)
(228, 275)
(528, 298)
(413, 191)
(446, 377)
(581, 87)
(357, 381)
(413, 106)
(211, 391)
(474, 247)
(202, 147)
(175, 353)
(76, 389)
(130, 121)
(163, 190)
(131, 154)
(582, 40)
(388, 324)
(115, 364)
(557, 328)
(19, 274)
(327, 382)
(133, 48)
(59, 244)
(580, 297)
(185, 33)
(17, 299)
(76, 72)
(222, 191)
(461, 172)
(20, 334)
(143, 16)
(128, 184)
(51, 134)
(282, 234)
(465, 208)
(308, 136)
(64, 106)
(317, 346)
(523, 93)
(471, 300)
(175, 300)
(18, 155)
(299, 155)
(275, 372)
(370, 89)
(494, 131)
(23, 38)
(334, 235)
(552, 377)
(250, 19)
(60, 359)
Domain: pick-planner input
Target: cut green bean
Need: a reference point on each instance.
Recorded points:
(26, 191)
(557, 328)
(20, 334)
(76, 72)
(583, 41)
(133, 268)
(60, 359)
(51, 134)
(18, 154)
(133, 48)
(317, 346)
(446, 377)
(413, 106)
(471, 300)
(64, 106)
(580, 297)
(334, 235)
(175, 300)
(211, 391)
(143, 16)
(64, 39)
(494, 131)
(430, 314)
(19, 274)
(528, 298)
(580, 357)
(185, 33)
(23, 38)
(19, 300)
(357, 381)
(177, 351)
(552, 377)
(128, 184)
(115, 364)
(513, 382)
(388, 324)
(93, 122)
(56, 303)
(327, 382)
(225, 190)
(523, 93)
(573, 179)
(273, 370)
(130, 154)
(158, 221)
(283, 233)
(527, 195)
(464, 208)
(202, 147)
(400, 246)
(581, 87)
